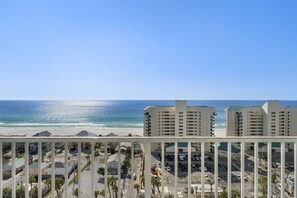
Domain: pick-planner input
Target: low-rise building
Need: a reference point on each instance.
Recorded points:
(60, 168)
(112, 163)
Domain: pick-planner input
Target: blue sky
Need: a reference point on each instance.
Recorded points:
(152, 49)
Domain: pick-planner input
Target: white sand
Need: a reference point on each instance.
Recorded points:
(65, 131)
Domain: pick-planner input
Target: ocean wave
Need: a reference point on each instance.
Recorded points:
(120, 125)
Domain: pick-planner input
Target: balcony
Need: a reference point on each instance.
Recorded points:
(140, 169)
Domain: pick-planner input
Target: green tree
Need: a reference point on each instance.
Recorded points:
(111, 181)
(211, 183)
(274, 177)
(88, 160)
(156, 182)
(34, 192)
(101, 171)
(75, 192)
(196, 191)
(137, 187)
(141, 181)
(32, 180)
(235, 194)
(6, 192)
(224, 193)
(102, 193)
(59, 181)
(96, 193)
(43, 155)
(20, 191)
(115, 189)
(263, 185)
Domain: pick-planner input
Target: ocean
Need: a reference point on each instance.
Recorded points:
(101, 113)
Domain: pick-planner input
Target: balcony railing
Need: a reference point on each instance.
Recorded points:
(160, 158)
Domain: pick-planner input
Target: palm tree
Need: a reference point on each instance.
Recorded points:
(196, 191)
(211, 183)
(224, 193)
(156, 182)
(32, 180)
(263, 185)
(75, 192)
(43, 155)
(101, 171)
(6, 192)
(88, 161)
(34, 191)
(102, 193)
(235, 193)
(141, 181)
(110, 183)
(59, 181)
(274, 178)
(96, 193)
(20, 191)
(137, 187)
(115, 190)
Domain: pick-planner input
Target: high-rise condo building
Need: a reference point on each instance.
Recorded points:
(271, 119)
(179, 120)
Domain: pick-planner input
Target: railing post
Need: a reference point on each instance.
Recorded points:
(229, 169)
(283, 154)
(242, 168)
(147, 169)
(189, 169)
(53, 170)
(13, 190)
(105, 170)
(119, 171)
(79, 170)
(92, 168)
(202, 168)
(256, 163)
(1, 170)
(269, 177)
(295, 168)
(216, 162)
(175, 168)
(132, 169)
(163, 168)
(26, 170)
(39, 170)
(66, 150)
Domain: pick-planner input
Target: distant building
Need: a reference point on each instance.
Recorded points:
(112, 163)
(60, 168)
(33, 167)
(271, 119)
(179, 120)
(85, 133)
(43, 134)
(46, 147)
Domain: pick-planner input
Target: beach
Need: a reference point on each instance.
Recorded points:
(68, 131)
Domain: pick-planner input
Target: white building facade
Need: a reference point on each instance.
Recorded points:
(179, 120)
(271, 119)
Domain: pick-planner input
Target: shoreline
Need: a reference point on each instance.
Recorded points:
(68, 131)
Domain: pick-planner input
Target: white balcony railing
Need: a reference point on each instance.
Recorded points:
(125, 186)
